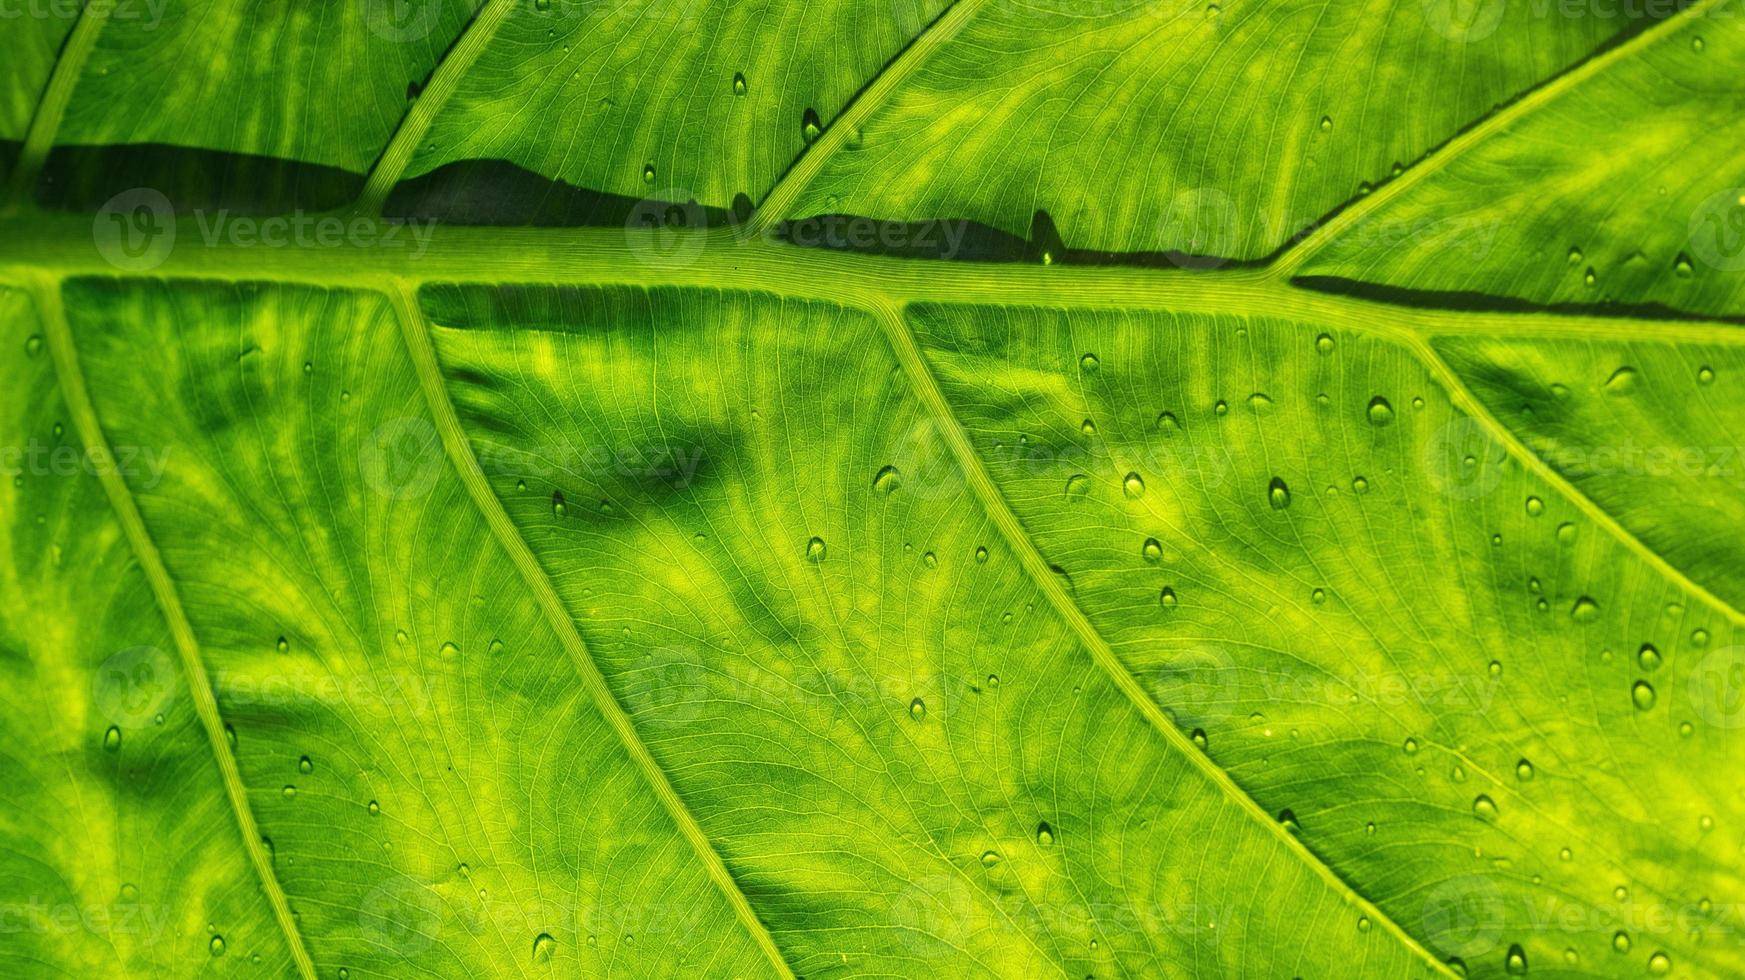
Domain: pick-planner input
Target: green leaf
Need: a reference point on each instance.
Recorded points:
(1284, 562)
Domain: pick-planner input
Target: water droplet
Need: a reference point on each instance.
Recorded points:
(1133, 486)
(1622, 381)
(738, 83)
(1151, 550)
(1565, 854)
(543, 948)
(1696, 44)
(1278, 494)
(112, 739)
(1089, 364)
(284, 645)
(1496, 668)
(1318, 596)
(1198, 736)
(917, 709)
(1221, 407)
(1483, 808)
(1648, 657)
(289, 791)
(1705, 375)
(1686, 729)
(887, 480)
(1166, 598)
(1681, 267)
(981, 556)
(1642, 695)
(1659, 964)
(1260, 401)
(1457, 774)
(1566, 533)
(1326, 124)
(1380, 412)
(990, 858)
(1288, 820)
(1324, 343)
(1411, 746)
(33, 345)
(1699, 638)
(305, 765)
(1359, 485)
(1621, 941)
(1523, 770)
(1168, 422)
(1363, 923)
(810, 127)
(1044, 834)
(929, 559)
(1585, 610)
(1590, 278)
(815, 550)
(216, 945)
(1077, 485)
(1516, 961)
(374, 808)
(648, 173)
(558, 507)
(1575, 256)
(1705, 823)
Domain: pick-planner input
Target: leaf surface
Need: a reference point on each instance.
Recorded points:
(1245, 591)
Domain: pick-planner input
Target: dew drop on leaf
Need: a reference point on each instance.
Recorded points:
(1659, 964)
(1324, 343)
(1621, 941)
(1642, 695)
(887, 480)
(1648, 658)
(216, 945)
(1278, 495)
(375, 808)
(543, 948)
(1089, 364)
(1166, 598)
(1411, 746)
(1151, 550)
(917, 709)
(305, 765)
(981, 556)
(815, 550)
(1133, 485)
(1044, 834)
(1705, 375)
(1483, 807)
(1622, 381)
(1077, 485)
(1199, 737)
(112, 739)
(1326, 124)
(1681, 267)
(1535, 506)
(1523, 770)
(1380, 412)
(810, 127)
(284, 645)
(1288, 819)
(738, 83)
(1585, 610)
(990, 858)
(558, 507)
(1516, 961)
